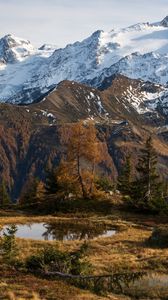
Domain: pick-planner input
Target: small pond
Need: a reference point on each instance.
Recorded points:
(61, 232)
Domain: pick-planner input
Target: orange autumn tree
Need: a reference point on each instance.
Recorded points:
(82, 156)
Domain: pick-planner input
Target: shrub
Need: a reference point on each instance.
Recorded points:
(159, 236)
(52, 259)
(48, 258)
(104, 184)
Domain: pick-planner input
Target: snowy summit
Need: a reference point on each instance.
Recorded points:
(139, 52)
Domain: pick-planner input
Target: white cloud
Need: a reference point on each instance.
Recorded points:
(64, 21)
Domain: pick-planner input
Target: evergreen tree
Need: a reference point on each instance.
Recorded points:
(4, 196)
(165, 189)
(40, 191)
(9, 246)
(124, 179)
(147, 189)
(104, 184)
(52, 184)
(30, 193)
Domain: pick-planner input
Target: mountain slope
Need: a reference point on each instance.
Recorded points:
(30, 136)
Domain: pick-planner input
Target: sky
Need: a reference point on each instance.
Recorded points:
(60, 22)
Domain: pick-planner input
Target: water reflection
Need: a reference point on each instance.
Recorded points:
(61, 232)
(66, 232)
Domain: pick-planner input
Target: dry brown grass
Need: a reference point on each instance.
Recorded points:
(160, 147)
(123, 252)
(127, 250)
(33, 296)
(27, 287)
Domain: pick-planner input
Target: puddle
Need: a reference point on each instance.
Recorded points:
(60, 232)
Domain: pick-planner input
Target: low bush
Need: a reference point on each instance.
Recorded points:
(52, 259)
(159, 236)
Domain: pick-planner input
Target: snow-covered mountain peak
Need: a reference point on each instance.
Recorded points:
(14, 49)
(97, 34)
(139, 51)
(164, 22)
(13, 41)
(92, 41)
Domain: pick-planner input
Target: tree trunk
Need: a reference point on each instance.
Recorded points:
(80, 178)
(92, 179)
(148, 194)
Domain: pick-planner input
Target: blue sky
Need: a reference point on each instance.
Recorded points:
(64, 21)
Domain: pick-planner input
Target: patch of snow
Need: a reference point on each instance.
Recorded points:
(47, 114)
(50, 115)
(92, 95)
(143, 101)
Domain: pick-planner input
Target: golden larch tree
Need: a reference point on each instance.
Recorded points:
(82, 155)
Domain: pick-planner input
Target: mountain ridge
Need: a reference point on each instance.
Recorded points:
(27, 74)
(30, 134)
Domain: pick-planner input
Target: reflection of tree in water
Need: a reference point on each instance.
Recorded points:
(70, 232)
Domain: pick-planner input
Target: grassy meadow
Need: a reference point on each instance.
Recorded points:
(126, 251)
